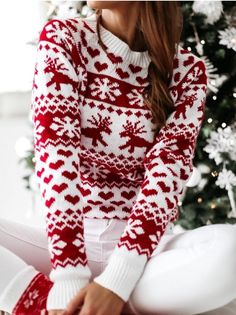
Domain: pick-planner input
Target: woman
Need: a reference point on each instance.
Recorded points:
(117, 107)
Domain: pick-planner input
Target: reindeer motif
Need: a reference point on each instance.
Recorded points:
(182, 108)
(131, 132)
(58, 77)
(101, 125)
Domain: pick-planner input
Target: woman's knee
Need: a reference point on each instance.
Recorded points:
(225, 235)
(225, 251)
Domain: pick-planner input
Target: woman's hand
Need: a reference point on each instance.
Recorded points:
(94, 299)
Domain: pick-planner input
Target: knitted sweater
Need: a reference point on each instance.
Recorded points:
(95, 151)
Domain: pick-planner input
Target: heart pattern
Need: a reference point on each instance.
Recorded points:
(122, 74)
(100, 66)
(106, 196)
(134, 68)
(93, 52)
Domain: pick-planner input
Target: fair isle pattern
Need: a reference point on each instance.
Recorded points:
(95, 151)
(168, 166)
(33, 299)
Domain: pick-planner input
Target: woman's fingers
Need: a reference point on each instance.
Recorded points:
(75, 302)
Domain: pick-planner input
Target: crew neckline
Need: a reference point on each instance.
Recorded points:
(118, 46)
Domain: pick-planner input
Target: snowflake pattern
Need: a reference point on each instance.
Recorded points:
(66, 126)
(134, 228)
(56, 245)
(226, 179)
(94, 170)
(221, 141)
(227, 37)
(52, 33)
(82, 77)
(38, 129)
(79, 242)
(135, 97)
(31, 298)
(105, 89)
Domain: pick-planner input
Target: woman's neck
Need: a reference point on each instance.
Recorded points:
(122, 23)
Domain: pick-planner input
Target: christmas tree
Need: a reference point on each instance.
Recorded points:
(209, 31)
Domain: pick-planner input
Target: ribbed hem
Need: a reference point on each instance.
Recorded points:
(62, 292)
(16, 288)
(122, 272)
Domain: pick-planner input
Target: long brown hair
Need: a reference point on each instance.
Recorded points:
(160, 23)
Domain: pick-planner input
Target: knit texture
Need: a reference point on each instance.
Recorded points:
(96, 155)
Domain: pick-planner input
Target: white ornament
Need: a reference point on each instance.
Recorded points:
(194, 178)
(222, 141)
(212, 9)
(228, 37)
(212, 77)
(227, 179)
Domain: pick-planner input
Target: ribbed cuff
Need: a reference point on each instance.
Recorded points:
(67, 282)
(16, 288)
(122, 272)
(62, 292)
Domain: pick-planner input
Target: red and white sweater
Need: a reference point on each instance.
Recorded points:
(95, 151)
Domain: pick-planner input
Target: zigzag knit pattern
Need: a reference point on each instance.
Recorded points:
(96, 155)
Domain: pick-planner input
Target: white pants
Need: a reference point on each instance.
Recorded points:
(189, 273)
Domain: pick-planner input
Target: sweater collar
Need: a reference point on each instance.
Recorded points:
(119, 47)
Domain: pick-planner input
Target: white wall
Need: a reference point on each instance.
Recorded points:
(16, 202)
(20, 23)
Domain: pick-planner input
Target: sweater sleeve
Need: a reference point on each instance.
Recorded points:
(168, 166)
(56, 116)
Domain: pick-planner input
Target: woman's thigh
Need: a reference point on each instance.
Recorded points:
(27, 242)
(190, 272)
(31, 245)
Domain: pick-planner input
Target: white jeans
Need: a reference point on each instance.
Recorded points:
(192, 272)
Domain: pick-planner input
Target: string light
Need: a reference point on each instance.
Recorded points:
(180, 203)
(214, 173)
(199, 200)
(209, 120)
(214, 97)
(234, 94)
(189, 48)
(202, 41)
(223, 125)
(213, 205)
